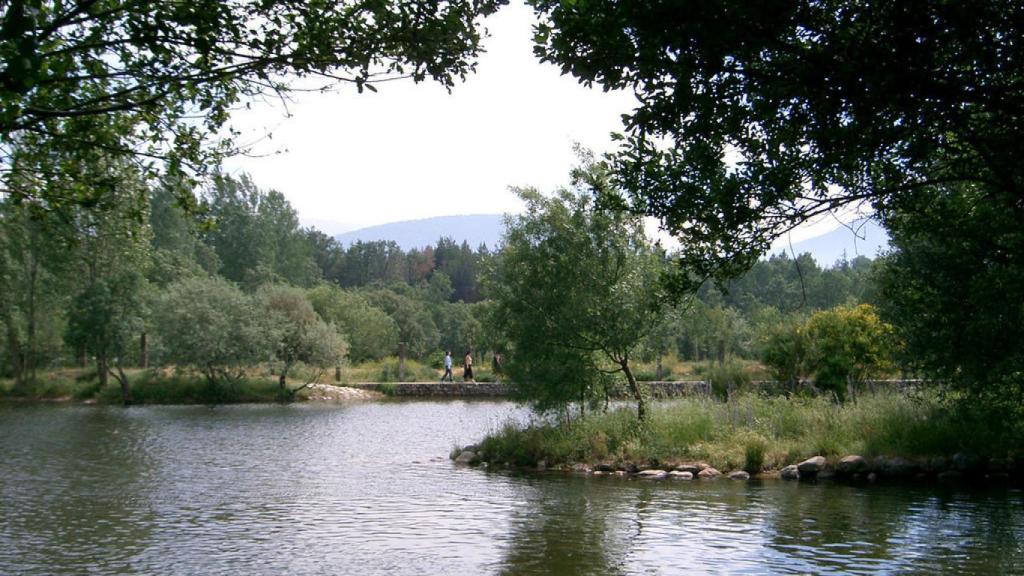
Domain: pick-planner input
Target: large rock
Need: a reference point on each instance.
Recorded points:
(466, 458)
(895, 467)
(739, 475)
(852, 464)
(652, 474)
(937, 465)
(680, 475)
(604, 467)
(1000, 465)
(790, 472)
(811, 466)
(950, 476)
(965, 462)
(691, 467)
(708, 473)
(580, 468)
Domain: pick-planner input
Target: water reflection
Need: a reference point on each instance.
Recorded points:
(566, 526)
(368, 489)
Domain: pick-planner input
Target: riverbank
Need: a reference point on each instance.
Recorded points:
(156, 387)
(885, 434)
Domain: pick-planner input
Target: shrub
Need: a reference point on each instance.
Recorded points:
(727, 378)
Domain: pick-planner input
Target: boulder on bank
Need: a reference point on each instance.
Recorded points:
(852, 464)
(936, 465)
(680, 475)
(708, 473)
(652, 474)
(739, 475)
(811, 466)
(466, 458)
(997, 465)
(895, 467)
(790, 472)
(693, 468)
(965, 462)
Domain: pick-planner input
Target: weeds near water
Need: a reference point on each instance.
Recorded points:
(755, 432)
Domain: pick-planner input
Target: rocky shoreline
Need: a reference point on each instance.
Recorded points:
(331, 393)
(960, 467)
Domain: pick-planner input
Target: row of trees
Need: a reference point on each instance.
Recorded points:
(240, 284)
(135, 279)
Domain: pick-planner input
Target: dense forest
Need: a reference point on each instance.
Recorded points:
(140, 281)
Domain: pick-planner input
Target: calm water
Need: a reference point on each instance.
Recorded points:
(368, 489)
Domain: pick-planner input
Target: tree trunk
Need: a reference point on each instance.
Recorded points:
(401, 361)
(634, 387)
(144, 351)
(657, 368)
(29, 366)
(126, 390)
(13, 346)
(337, 373)
(102, 370)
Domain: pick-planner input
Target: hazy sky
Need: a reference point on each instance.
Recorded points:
(347, 160)
(415, 151)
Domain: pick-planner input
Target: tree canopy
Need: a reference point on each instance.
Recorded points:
(158, 80)
(754, 117)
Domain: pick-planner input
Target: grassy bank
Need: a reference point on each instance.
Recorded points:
(758, 433)
(148, 387)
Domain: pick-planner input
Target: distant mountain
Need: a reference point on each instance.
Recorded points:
(475, 229)
(859, 238)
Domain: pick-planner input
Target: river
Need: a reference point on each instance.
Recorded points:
(368, 489)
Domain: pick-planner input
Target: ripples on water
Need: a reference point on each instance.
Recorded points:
(368, 489)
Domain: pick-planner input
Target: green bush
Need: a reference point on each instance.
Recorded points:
(756, 433)
(726, 379)
(414, 371)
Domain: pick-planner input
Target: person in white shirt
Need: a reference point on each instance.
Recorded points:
(447, 366)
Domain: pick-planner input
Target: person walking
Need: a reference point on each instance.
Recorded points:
(447, 366)
(467, 368)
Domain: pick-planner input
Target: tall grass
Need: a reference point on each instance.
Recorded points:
(148, 387)
(755, 432)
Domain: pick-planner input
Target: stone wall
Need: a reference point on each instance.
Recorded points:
(446, 389)
(666, 389)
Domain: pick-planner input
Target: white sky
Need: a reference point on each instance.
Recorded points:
(347, 160)
(414, 151)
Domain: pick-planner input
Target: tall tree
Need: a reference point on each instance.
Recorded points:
(372, 334)
(112, 241)
(32, 256)
(577, 289)
(211, 326)
(256, 233)
(302, 335)
(954, 288)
